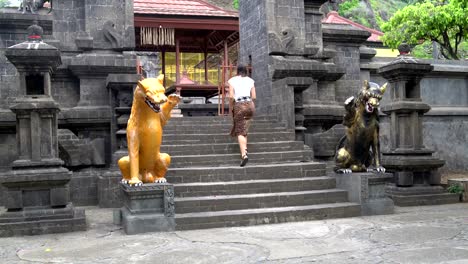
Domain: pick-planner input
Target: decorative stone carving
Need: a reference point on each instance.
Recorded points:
(169, 203)
(280, 44)
(33, 5)
(150, 63)
(112, 35)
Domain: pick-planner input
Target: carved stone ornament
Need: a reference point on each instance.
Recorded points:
(280, 44)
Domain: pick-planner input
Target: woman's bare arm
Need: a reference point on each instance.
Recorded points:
(253, 95)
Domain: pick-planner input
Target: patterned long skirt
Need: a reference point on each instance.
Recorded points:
(242, 116)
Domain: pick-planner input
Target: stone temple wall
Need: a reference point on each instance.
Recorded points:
(95, 38)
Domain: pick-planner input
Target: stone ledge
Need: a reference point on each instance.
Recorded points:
(74, 221)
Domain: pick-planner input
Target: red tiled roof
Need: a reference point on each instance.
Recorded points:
(334, 18)
(180, 8)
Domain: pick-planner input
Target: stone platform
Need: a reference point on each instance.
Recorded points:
(38, 221)
(37, 202)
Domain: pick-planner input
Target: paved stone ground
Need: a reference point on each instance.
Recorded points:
(430, 234)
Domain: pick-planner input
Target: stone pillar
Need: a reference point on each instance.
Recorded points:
(283, 41)
(415, 169)
(36, 188)
(313, 26)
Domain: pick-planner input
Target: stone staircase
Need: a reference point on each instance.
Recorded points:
(279, 184)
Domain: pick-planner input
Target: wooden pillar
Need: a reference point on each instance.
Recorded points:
(205, 56)
(177, 58)
(226, 57)
(163, 65)
(225, 77)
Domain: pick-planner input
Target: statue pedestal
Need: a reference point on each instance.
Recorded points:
(367, 189)
(147, 208)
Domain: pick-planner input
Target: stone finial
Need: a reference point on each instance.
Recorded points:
(404, 49)
(35, 32)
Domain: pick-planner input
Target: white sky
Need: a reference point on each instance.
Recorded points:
(15, 2)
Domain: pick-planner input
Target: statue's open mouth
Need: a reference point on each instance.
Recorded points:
(369, 108)
(155, 107)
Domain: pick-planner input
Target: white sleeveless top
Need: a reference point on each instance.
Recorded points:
(241, 85)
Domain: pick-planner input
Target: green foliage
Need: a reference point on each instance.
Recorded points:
(235, 4)
(347, 6)
(423, 51)
(463, 50)
(385, 9)
(455, 188)
(442, 21)
(4, 3)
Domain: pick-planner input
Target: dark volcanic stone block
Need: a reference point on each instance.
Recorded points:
(38, 221)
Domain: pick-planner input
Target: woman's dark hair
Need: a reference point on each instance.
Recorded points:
(241, 70)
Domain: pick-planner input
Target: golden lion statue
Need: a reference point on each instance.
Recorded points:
(362, 132)
(151, 109)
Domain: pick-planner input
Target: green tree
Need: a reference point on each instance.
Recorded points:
(235, 4)
(4, 3)
(442, 21)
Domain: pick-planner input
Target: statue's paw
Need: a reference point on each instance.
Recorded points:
(135, 183)
(174, 98)
(380, 169)
(344, 171)
(124, 181)
(160, 180)
(349, 100)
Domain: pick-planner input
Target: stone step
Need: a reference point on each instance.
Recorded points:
(236, 173)
(197, 189)
(222, 129)
(177, 122)
(207, 120)
(232, 159)
(227, 148)
(225, 138)
(262, 118)
(257, 200)
(260, 216)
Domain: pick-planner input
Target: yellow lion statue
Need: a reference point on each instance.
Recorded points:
(151, 109)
